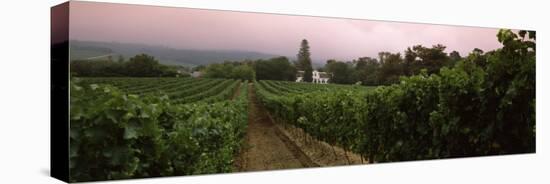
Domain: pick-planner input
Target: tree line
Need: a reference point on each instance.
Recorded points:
(141, 65)
(386, 69)
(277, 68)
(389, 67)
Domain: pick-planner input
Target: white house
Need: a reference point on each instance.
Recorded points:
(318, 77)
(196, 74)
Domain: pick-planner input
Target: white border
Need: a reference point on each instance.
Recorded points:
(24, 98)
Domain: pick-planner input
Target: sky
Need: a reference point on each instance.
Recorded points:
(329, 38)
(59, 23)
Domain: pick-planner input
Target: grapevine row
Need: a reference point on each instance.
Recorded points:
(118, 135)
(464, 111)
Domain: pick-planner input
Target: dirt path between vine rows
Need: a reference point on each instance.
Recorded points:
(266, 148)
(238, 91)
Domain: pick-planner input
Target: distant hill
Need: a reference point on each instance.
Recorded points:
(185, 57)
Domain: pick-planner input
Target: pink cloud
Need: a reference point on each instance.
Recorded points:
(343, 39)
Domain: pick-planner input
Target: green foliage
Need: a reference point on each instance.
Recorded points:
(454, 57)
(218, 70)
(243, 72)
(224, 90)
(342, 73)
(104, 68)
(229, 70)
(467, 110)
(141, 65)
(478, 57)
(304, 61)
(366, 71)
(115, 135)
(391, 68)
(420, 57)
(179, 90)
(483, 104)
(278, 68)
(308, 74)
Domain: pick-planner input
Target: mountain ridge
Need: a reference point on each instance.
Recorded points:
(81, 50)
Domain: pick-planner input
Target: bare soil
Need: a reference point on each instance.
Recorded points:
(238, 91)
(270, 145)
(266, 148)
(321, 153)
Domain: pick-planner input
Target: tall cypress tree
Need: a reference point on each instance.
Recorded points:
(304, 61)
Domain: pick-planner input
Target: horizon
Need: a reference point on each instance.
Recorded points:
(275, 34)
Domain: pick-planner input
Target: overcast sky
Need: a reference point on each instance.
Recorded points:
(329, 38)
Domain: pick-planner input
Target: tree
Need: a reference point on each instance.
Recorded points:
(420, 57)
(478, 57)
(391, 67)
(366, 70)
(455, 56)
(511, 71)
(120, 59)
(409, 67)
(304, 61)
(243, 72)
(477, 51)
(342, 72)
(278, 68)
(143, 65)
(216, 70)
(229, 70)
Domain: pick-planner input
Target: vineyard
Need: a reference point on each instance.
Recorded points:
(467, 110)
(128, 127)
(146, 127)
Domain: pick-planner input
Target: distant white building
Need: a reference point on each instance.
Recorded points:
(318, 77)
(183, 72)
(196, 74)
